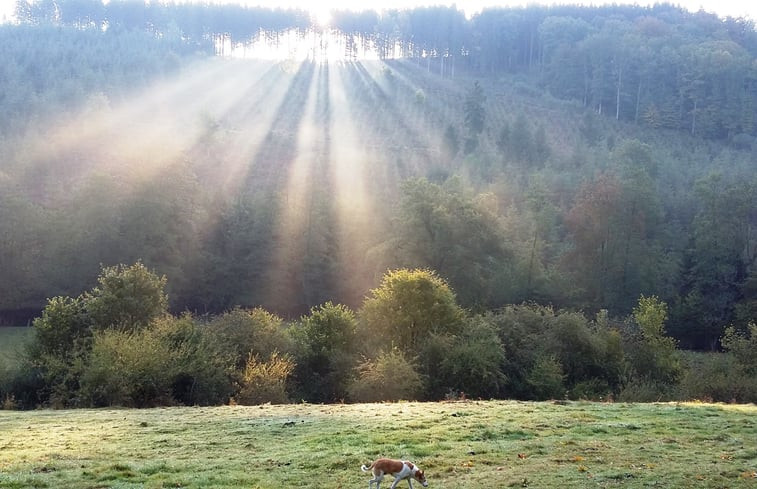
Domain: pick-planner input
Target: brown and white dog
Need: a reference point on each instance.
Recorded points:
(399, 469)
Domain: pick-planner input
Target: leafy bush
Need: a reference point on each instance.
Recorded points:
(653, 356)
(59, 348)
(591, 390)
(128, 368)
(243, 332)
(172, 361)
(126, 297)
(390, 377)
(472, 362)
(645, 390)
(409, 305)
(742, 345)
(202, 371)
(264, 382)
(546, 378)
(720, 376)
(326, 342)
(548, 351)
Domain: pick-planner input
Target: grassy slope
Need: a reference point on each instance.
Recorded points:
(473, 444)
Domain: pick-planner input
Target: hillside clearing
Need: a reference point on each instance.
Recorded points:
(459, 444)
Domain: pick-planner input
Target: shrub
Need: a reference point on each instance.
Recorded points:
(171, 361)
(128, 368)
(742, 345)
(407, 306)
(264, 382)
(717, 377)
(126, 297)
(473, 362)
(243, 332)
(59, 348)
(326, 343)
(653, 355)
(390, 377)
(202, 371)
(591, 390)
(546, 379)
(645, 390)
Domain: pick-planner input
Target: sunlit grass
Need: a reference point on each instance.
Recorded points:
(469, 444)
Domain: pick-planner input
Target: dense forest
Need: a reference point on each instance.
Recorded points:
(572, 157)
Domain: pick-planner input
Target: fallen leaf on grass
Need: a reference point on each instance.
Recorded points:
(522, 455)
(577, 458)
(582, 468)
(748, 475)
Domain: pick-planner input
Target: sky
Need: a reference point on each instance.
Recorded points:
(734, 8)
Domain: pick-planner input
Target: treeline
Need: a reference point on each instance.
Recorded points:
(48, 70)
(120, 151)
(116, 345)
(659, 65)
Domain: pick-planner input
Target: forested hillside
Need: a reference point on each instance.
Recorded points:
(572, 156)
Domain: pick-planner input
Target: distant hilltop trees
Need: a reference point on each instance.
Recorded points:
(660, 65)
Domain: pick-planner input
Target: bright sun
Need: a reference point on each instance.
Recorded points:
(322, 15)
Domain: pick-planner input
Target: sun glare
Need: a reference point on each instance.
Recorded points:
(322, 16)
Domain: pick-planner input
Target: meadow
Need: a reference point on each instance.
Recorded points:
(458, 444)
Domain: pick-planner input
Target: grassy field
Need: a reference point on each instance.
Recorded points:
(12, 341)
(460, 445)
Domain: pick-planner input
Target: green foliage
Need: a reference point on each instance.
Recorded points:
(717, 377)
(471, 362)
(475, 114)
(457, 234)
(265, 382)
(545, 378)
(389, 377)
(718, 261)
(243, 332)
(742, 345)
(171, 361)
(549, 353)
(126, 298)
(406, 308)
(128, 368)
(451, 142)
(63, 329)
(58, 351)
(326, 352)
(653, 355)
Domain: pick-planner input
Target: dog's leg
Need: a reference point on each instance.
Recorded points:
(377, 479)
(410, 481)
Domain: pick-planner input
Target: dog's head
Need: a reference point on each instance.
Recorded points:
(420, 477)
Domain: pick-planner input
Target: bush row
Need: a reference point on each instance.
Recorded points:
(116, 345)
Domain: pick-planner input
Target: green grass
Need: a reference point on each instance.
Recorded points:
(12, 340)
(460, 445)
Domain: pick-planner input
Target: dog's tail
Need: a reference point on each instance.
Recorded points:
(366, 469)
